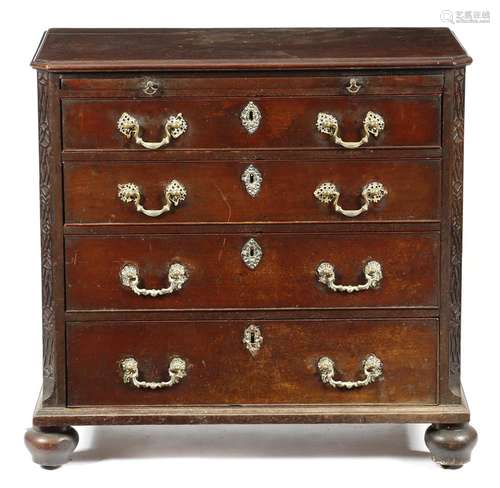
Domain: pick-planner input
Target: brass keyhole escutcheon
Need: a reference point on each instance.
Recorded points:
(252, 338)
(251, 253)
(252, 179)
(250, 117)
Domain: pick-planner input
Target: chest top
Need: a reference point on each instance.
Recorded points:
(228, 49)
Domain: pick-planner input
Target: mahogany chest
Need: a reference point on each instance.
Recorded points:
(251, 226)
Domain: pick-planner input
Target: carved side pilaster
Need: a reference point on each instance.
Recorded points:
(456, 199)
(46, 226)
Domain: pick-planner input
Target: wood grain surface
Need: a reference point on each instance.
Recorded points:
(221, 370)
(216, 194)
(285, 278)
(214, 123)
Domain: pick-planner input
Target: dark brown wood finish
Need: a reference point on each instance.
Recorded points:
(413, 77)
(255, 315)
(326, 153)
(51, 447)
(220, 370)
(285, 278)
(451, 444)
(343, 226)
(255, 49)
(254, 414)
(252, 85)
(216, 193)
(214, 123)
(52, 253)
(451, 231)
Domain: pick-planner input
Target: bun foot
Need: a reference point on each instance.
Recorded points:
(451, 444)
(51, 447)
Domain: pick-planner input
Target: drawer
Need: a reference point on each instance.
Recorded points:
(103, 272)
(211, 364)
(215, 122)
(215, 192)
(249, 85)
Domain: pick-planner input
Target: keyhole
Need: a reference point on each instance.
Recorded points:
(252, 338)
(252, 178)
(250, 115)
(252, 252)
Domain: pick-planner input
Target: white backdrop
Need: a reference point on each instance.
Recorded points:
(242, 455)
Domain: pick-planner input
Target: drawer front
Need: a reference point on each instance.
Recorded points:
(215, 123)
(219, 369)
(159, 85)
(286, 276)
(216, 193)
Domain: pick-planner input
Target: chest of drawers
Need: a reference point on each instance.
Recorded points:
(251, 226)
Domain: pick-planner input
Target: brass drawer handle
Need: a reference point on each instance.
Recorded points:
(372, 192)
(328, 124)
(372, 368)
(177, 276)
(373, 275)
(176, 371)
(174, 127)
(174, 194)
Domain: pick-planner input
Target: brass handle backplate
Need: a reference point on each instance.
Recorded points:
(176, 371)
(174, 194)
(353, 87)
(174, 128)
(177, 276)
(372, 368)
(371, 193)
(151, 87)
(373, 275)
(372, 124)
